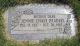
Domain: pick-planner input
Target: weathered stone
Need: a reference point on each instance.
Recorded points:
(40, 21)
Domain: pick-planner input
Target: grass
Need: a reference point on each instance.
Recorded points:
(74, 41)
(2, 39)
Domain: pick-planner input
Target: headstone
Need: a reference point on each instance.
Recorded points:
(40, 21)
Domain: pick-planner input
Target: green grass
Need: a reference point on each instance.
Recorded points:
(75, 41)
(2, 38)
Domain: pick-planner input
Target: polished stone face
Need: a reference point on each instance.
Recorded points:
(38, 21)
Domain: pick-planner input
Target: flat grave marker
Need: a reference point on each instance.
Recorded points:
(40, 21)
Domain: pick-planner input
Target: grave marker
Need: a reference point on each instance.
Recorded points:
(40, 21)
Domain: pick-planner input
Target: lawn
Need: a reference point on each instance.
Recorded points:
(74, 41)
